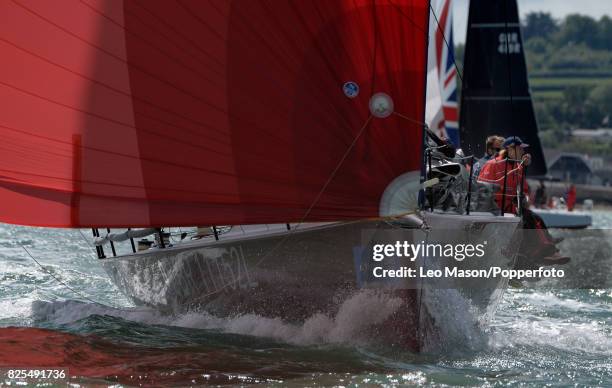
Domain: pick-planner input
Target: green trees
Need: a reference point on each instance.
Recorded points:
(572, 58)
(601, 96)
(581, 106)
(570, 68)
(579, 29)
(576, 43)
(605, 33)
(576, 57)
(539, 24)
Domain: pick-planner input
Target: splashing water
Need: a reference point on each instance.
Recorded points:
(350, 324)
(538, 335)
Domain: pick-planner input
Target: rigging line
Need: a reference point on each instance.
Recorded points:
(509, 62)
(306, 214)
(329, 179)
(55, 277)
(80, 294)
(446, 42)
(410, 119)
(335, 171)
(85, 238)
(513, 171)
(401, 12)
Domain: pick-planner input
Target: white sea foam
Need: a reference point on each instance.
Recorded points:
(15, 311)
(455, 324)
(550, 301)
(587, 337)
(547, 320)
(349, 325)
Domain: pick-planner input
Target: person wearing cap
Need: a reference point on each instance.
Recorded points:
(492, 147)
(509, 167)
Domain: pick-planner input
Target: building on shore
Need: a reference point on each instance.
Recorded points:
(601, 134)
(578, 168)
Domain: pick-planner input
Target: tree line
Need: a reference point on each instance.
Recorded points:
(577, 47)
(573, 57)
(577, 42)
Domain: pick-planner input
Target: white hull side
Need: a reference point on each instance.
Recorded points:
(295, 277)
(564, 218)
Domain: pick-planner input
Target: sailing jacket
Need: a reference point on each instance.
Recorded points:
(493, 172)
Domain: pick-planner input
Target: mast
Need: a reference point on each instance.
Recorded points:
(495, 97)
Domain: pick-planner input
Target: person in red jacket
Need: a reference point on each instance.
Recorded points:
(507, 169)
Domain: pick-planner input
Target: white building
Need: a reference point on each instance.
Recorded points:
(601, 134)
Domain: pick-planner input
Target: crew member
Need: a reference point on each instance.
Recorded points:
(507, 169)
(492, 147)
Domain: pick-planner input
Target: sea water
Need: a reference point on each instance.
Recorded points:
(69, 313)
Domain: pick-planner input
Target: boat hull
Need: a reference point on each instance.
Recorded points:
(295, 275)
(564, 218)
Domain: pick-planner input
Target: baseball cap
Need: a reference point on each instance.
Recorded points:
(514, 140)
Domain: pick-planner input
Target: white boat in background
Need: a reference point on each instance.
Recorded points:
(556, 214)
(562, 218)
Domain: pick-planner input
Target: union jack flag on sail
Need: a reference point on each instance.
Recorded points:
(443, 114)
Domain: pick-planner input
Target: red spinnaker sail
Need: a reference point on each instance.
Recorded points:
(187, 112)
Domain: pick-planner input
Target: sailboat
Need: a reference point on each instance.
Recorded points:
(496, 98)
(285, 129)
(560, 217)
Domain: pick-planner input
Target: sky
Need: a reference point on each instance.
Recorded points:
(558, 8)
